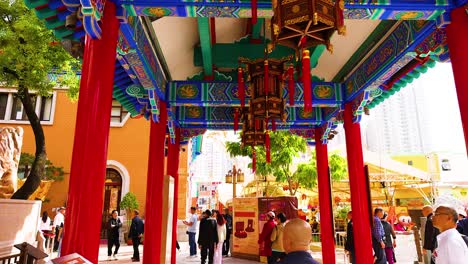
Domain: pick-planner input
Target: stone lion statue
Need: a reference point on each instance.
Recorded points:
(11, 141)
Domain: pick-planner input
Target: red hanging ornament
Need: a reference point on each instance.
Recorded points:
(236, 120)
(306, 81)
(254, 160)
(266, 77)
(273, 125)
(241, 87)
(267, 147)
(291, 87)
(253, 7)
(257, 124)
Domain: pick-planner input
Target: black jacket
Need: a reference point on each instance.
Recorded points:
(349, 245)
(208, 232)
(113, 228)
(137, 227)
(430, 235)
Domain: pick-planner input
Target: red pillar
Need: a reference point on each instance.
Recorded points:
(154, 189)
(173, 170)
(324, 187)
(358, 185)
(88, 168)
(457, 37)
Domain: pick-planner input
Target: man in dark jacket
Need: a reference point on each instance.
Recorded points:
(208, 237)
(113, 234)
(228, 219)
(349, 245)
(430, 234)
(136, 232)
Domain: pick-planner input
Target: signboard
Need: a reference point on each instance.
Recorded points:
(71, 259)
(245, 223)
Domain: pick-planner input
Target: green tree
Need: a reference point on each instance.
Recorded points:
(306, 173)
(29, 52)
(284, 148)
(52, 172)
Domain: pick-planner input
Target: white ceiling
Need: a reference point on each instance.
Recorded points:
(357, 32)
(178, 36)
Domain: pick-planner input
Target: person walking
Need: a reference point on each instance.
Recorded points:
(277, 249)
(113, 226)
(430, 235)
(192, 231)
(296, 240)
(265, 236)
(136, 232)
(349, 245)
(221, 230)
(226, 244)
(390, 236)
(59, 223)
(208, 237)
(378, 236)
(451, 248)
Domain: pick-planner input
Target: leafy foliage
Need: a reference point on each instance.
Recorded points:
(284, 148)
(52, 173)
(129, 202)
(29, 52)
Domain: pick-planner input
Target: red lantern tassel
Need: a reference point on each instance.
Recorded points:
(266, 78)
(273, 125)
(267, 147)
(236, 120)
(306, 81)
(241, 87)
(291, 87)
(254, 160)
(253, 6)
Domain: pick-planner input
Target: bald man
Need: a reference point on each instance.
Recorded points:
(296, 239)
(451, 247)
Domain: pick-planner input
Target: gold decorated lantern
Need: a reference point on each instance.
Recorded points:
(306, 23)
(266, 88)
(253, 131)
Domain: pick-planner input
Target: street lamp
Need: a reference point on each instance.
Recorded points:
(234, 176)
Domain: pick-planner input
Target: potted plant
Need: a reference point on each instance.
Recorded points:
(129, 203)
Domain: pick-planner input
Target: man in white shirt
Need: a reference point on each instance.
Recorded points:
(192, 231)
(59, 222)
(451, 247)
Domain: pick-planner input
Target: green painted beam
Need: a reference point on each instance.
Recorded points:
(205, 44)
(257, 28)
(227, 55)
(315, 54)
(378, 33)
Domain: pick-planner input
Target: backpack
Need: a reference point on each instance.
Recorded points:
(465, 238)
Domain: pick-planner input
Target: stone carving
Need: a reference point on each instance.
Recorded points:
(11, 141)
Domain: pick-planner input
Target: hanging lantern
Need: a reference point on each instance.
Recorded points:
(267, 88)
(315, 19)
(240, 176)
(253, 131)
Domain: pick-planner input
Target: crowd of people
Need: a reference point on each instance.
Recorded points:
(445, 236)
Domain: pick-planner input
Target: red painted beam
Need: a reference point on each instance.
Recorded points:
(88, 168)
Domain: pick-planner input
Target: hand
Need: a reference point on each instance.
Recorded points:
(394, 244)
(346, 252)
(185, 222)
(382, 244)
(199, 246)
(424, 251)
(140, 235)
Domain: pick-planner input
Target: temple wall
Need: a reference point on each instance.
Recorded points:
(128, 145)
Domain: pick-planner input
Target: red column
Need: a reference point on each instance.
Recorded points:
(154, 189)
(358, 185)
(88, 168)
(173, 170)
(457, 37)
(327, 234)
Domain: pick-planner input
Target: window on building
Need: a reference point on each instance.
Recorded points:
(11, 108)
(410, 162)
(118, 112)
